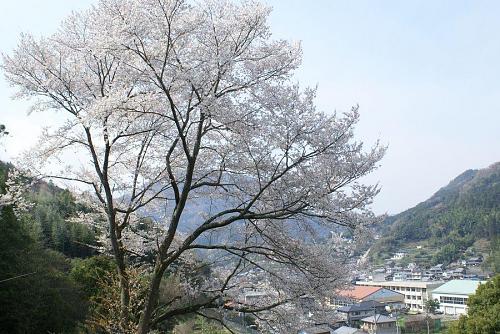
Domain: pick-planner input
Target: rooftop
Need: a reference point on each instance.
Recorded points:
(316, 330)
(459, 287)
(411, 284)
(363, 306)
(378, 319)
(358, 292)
(347, 330)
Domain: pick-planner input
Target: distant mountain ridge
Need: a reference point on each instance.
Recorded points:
(453, 219)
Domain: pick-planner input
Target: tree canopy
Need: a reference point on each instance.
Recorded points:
(484, 308)
(172, 105)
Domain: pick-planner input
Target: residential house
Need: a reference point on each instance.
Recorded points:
(474, 261)
(428, 276)
(348, 330)
(379, 324)
(323, 329)
(354, 313)
(436, 270)
(413, 272)
(458, 273)
(399, 276)
(414, 275)
(399, 255)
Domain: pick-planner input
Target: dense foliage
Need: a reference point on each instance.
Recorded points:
(465, 211)
(48, 218)
(169, 102)
(484, 308)
(36, 294)
(51, 282)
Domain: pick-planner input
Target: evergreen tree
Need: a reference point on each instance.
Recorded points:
(36, 294)
(484, 310)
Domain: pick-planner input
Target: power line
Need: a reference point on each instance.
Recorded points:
(16, 277)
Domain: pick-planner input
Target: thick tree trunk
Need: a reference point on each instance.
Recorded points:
(124, 299)
(151, 300)
(119, 256)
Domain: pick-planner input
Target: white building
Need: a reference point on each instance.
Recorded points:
(416, 292)
(399, 255)
(453, 295)
(399, 276)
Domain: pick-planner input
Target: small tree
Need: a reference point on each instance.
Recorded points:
(172, 106)
(430, 306)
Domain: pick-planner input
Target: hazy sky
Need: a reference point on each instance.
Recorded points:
(426, 75)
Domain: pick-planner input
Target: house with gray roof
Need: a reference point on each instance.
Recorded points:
(348, 330)
(379, 324)
(354, 313)
(322, 329)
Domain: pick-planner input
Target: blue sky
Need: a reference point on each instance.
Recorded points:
(425, 74)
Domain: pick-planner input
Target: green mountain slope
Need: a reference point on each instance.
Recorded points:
(460, 215)
(48, 221)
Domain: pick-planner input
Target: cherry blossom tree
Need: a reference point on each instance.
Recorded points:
(166, 105)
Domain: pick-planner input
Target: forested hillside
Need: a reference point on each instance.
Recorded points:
(48, 222)
(37, 292)
(51, 278)
(457, 217)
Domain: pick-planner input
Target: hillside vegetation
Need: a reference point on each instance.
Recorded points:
(463, 214)
(51, 278)
(37, 293)
(48, 218)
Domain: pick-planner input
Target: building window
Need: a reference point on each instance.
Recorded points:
(452, 300)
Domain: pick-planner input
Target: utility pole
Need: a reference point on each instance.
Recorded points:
(396, 313)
